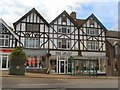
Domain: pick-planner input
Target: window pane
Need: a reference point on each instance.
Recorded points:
(63, 30)
(6, 42)
(64, 19)
(32, 27)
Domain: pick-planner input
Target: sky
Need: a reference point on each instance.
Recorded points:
(106, 11)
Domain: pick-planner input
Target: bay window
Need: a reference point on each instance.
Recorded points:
(32, 42)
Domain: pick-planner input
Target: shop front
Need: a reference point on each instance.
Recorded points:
(36, 59)
(4, 58)
(59, 62)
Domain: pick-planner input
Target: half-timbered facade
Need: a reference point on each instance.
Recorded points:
(65, 36)
(32, 30)
(7, 43)
(92, 41)
(63, 43)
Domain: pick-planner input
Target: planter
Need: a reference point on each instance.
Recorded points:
(16, 70)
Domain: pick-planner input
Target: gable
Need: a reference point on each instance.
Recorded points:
(5, 29)
(96, 23)
(69, 21)
(31, 17)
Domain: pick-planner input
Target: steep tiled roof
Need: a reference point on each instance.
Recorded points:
(113, 34)
(80, 21)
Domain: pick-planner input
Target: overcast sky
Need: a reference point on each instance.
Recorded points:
(106, 12)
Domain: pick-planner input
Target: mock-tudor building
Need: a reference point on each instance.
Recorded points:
(51, 45)
(7, 43)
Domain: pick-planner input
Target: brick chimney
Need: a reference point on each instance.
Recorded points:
(73, 15)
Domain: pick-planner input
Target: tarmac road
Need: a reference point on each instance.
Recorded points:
(22, 82)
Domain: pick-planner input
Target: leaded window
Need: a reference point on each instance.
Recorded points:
(64, 43)
(32, 42)
(32, 27)
(92, 45)
(92, 31)
(4, 40)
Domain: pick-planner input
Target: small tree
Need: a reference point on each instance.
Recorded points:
(17, 61)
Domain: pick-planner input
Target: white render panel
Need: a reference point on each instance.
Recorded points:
(46, 28)
(76, 37)
(103, 34)
(38, 20)
(72, 29)
(104, 47)
(41, 28)
(59, 21)
(68, 21)
(28, 18)
(88, 25)
(55, 27)
(23, 26)
(35, 17)
(31, 18)
(103, 38)
(18, 27)
(81, 46)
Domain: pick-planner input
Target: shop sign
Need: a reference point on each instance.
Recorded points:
(6, 50)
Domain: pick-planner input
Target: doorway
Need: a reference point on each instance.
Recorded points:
(62, 66)
(4, 63)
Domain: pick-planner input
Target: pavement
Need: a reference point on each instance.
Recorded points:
(58, 76)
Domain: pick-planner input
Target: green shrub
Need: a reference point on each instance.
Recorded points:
(18, 57)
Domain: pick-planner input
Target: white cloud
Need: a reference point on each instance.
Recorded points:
(12, 10)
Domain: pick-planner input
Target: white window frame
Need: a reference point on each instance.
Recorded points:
(67, 44)
(92, 31)
(92, 45)
(3, 37)
(32, 42)
(61, 31)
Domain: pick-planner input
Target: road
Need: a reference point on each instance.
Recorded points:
(21, 82)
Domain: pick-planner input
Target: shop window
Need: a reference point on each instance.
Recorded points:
(35, 62)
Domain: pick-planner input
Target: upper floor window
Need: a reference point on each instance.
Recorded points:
(4, 40)
(63, 29)
(32, 27)
(64, 19)
(91, 21)
(92, 45)
(63, 43)
(32, 42)
(92, 31)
